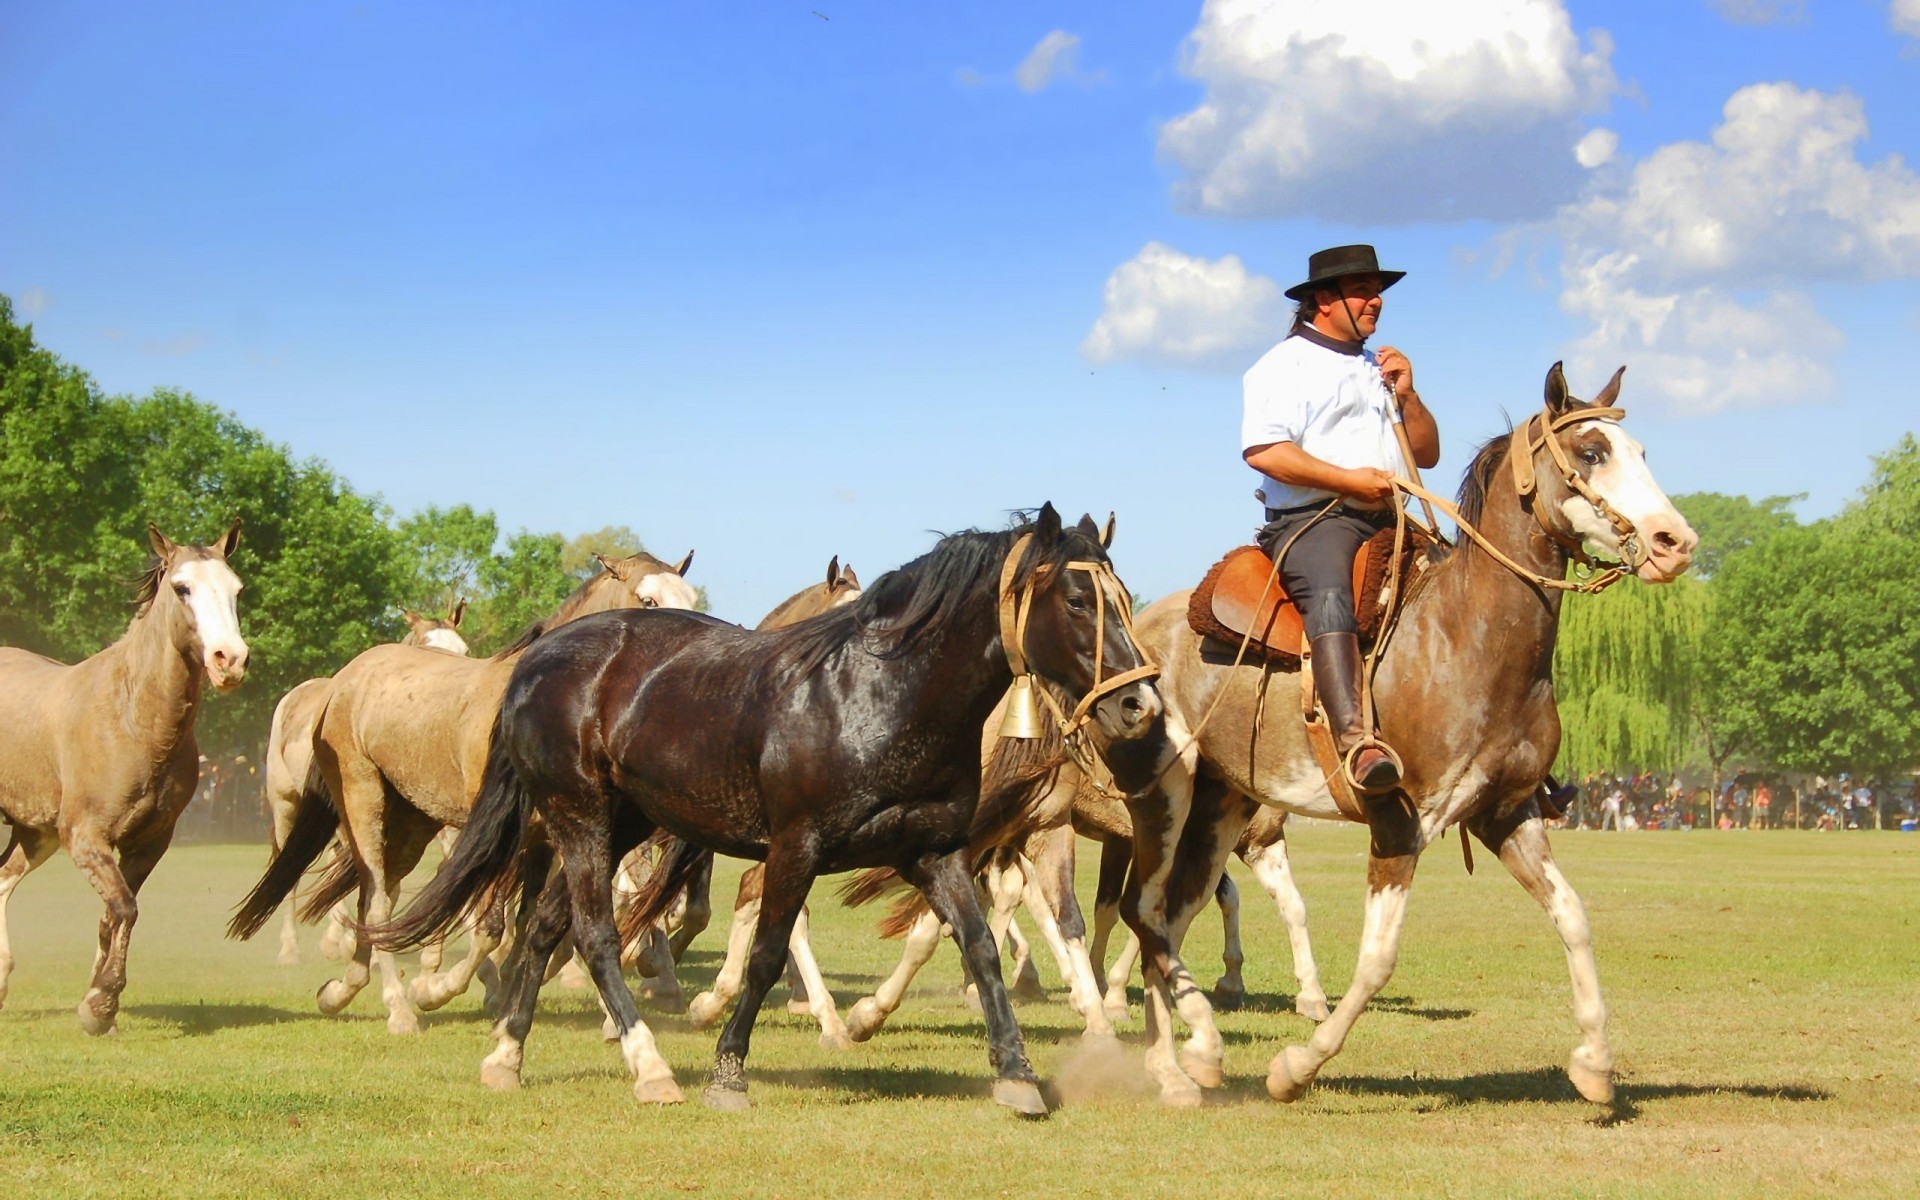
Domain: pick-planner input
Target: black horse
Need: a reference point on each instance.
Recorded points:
(850, 740)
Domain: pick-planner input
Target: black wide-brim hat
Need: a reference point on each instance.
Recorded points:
(1338, 263)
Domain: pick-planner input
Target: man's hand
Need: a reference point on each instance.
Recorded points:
(1369, 485)
(1397, 371)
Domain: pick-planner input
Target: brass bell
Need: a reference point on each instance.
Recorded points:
(1023, 711)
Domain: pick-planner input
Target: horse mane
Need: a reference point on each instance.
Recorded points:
(913, 604)
(1472, 498)
(146, 587)
(571, 605)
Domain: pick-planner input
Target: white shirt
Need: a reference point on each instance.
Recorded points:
(1330, 402)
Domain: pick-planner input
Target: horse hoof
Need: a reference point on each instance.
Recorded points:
(1228, 998)
(1287, 1080)
(835, 1039)
(609, 1030)
(1313, 1008)
(667, 1002)
(972, 996)
(658, 1091)
(93, 1023)
(403, 1023)
(725, 1099)
(289, 956)
(704, 1010)
(1020, 1095)
(1027, 987)
(333, 996)
(499, 1078)
(800, 1008)
(1181, 1095)
(1593, 1083)
(429, 992)
(1118, 1013)
(865, 1019)
(1201, 1069)
(1094, 1036)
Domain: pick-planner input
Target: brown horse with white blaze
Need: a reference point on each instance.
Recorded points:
(100, 757)
(1465, 690)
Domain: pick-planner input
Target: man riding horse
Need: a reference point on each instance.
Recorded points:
(1318, 425)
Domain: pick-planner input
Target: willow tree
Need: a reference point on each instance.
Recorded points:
(1624, 675)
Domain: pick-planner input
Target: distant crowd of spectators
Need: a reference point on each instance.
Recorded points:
(1747, 801)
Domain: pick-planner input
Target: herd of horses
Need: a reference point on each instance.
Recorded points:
(594, 768)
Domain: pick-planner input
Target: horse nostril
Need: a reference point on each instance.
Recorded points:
(1131, 704)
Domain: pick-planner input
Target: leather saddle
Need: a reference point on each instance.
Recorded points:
(1228, 604)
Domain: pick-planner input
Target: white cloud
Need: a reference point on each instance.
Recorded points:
(1596, 149)
(1905, 17)
(33, 301)
(1700, 350)
(1398, 110)
(1777, 195)
(1057, 56)
(1168, 307)
(1762, 12)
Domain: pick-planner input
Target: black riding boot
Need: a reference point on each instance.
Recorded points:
(1337, 668)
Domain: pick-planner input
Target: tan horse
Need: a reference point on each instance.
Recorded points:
(101, 758)
(1465, 691)
(400, 747)
(290, 754)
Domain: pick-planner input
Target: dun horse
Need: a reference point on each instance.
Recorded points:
(400, 747)
(1464, 688)
(290, 755)
(848, 741)
(101, 758)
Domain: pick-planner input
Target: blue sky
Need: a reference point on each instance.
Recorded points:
(780, 287)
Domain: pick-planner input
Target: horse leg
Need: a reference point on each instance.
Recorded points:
(698, 911)
(867, 1015)
(659, 983)
(1230, 990)
(433, 989)
(337, 942)
(790, 873)
(1056, 913)
(433, 954)
(283, 811)
(1006, 883)
(813, 986)
(708, 1006)
(26, 849)
(1269, 864)
(1115, 857)
(1392, 853)
(1523, 848)
(408, 834)
(945, 882)
(94, 855)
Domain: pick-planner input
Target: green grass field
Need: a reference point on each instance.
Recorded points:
(1765, 992)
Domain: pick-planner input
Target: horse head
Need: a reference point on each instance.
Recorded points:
(1075, 626)
(643, 581)
(1595, 479)
(194, 591)
(438, 633)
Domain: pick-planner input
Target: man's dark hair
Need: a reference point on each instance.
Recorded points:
(1303, 312)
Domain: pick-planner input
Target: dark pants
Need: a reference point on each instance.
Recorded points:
(1318, 571)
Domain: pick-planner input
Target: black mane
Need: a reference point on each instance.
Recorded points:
(1472, 498)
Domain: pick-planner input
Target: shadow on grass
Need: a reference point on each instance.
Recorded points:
(1281, 1004)
(1544, 1085)
(199, 1020)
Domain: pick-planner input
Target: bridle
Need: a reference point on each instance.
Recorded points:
(1541, 429)
(1017, 607)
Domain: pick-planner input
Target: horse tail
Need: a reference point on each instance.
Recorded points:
(314, 824)
(341, 880)
(682, 861)
(486, 855)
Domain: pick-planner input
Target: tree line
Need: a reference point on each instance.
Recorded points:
(1792, 645)
(328, 570)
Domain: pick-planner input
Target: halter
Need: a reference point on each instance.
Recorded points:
(1526, 443)
(1015, 609)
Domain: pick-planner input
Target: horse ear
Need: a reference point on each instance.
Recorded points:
(608, 565)
(1609, 396)
(681, 568)
(1106, 532)
(1557, 397)
(849, 578)
(1085, 525)
(833, 570)
(458, 614)
(414, 620)
(230, 540)
(1046, 525)
(161, 543)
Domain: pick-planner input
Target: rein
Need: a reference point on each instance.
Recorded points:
(1016, 608)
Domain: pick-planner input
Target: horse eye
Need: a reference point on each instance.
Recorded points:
(182, 590)
(649, 602)
(1076, 604)
(1591, 457)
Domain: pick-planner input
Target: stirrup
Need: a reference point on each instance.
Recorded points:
(1371, 743)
